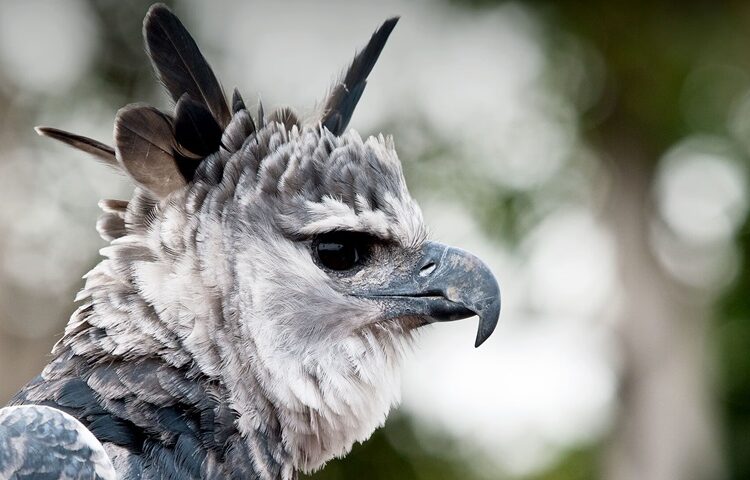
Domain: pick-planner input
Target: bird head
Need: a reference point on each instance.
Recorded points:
(288, 257)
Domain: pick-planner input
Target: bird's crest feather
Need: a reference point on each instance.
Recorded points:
(345, 95)
(144, 144)
(163, 152)
(180, 64)
(100, 151)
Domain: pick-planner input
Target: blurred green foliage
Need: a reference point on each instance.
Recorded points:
(378, 458)
(733, 343)
(676, 69)
(672, 69)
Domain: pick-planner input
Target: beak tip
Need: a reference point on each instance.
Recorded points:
(488, 322)
(483, 333)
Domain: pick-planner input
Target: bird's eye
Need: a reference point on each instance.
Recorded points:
(342, 250)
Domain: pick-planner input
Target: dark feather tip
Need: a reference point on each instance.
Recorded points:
(100, 151)
(261, 114)
(365, 60)
(180, 64)
(237, 102)
(346, 94)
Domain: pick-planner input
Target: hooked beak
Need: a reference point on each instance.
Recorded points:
(445, 284)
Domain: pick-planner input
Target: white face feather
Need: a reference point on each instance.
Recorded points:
(333, 380)
(326, 359)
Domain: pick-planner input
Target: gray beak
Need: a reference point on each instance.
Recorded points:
(445, 284)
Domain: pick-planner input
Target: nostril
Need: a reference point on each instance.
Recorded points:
(427, 269)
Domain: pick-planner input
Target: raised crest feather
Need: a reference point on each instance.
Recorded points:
(195, 129)
(345, 95)
(237, 102)
(102, 152)
(180, 64)
(144, 145)
(162, 152)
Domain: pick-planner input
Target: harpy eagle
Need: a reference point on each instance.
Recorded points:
(256, 294)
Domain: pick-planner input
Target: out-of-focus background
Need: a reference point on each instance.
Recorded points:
(596, 155)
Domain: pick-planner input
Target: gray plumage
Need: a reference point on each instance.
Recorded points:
(238, 104)
(43, 442)
(259, 287)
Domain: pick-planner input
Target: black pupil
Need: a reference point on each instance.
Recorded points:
(341, 250)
